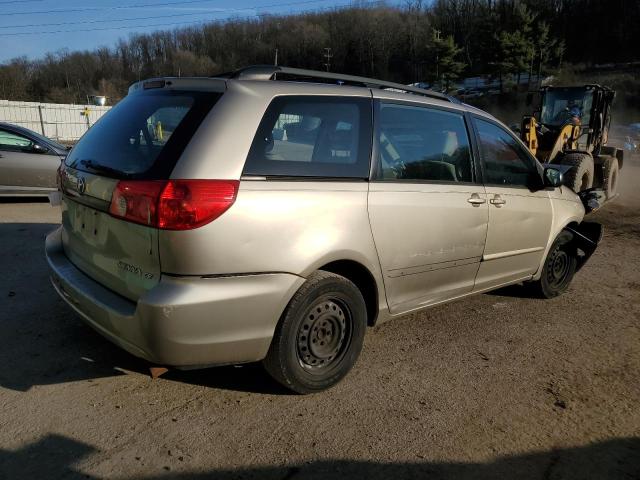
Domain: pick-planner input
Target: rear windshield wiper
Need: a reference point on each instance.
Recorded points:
(99, 168)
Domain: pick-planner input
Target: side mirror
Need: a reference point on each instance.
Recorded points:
(37, 148)
(552, 177)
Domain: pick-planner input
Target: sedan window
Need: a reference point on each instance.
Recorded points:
(13, 141)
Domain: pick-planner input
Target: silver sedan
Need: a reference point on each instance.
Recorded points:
(28, 161)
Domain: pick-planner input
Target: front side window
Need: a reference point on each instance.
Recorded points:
(313, 137)
(13, 141)
(504, 160)
(424, 144)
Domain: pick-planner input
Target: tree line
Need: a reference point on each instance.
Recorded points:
(419, 41)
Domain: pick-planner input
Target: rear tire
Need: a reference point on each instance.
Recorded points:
(558, 269)
(319, 336)
(581, 176)
(610, 169)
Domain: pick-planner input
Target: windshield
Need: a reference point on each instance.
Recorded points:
(565, 106)
(143, 135)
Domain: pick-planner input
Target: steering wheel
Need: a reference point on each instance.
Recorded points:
(460, 164)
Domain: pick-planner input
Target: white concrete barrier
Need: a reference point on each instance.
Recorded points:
(66, 122)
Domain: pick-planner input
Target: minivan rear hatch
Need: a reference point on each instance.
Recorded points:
(108, 180)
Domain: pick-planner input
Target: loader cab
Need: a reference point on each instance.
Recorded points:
(588, 107)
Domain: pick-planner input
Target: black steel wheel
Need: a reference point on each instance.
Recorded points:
(320, 334)
(323, 334)
(559, 267)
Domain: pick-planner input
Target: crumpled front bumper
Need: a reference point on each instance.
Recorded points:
(586, 236)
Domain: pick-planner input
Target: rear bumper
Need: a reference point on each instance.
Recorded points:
(10, 191)
(182, 321)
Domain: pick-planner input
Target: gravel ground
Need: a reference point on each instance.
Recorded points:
(495, 386)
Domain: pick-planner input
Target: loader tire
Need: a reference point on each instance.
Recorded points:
(610, 170)
(580, 177)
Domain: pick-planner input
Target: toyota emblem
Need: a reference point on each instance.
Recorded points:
(82, 185)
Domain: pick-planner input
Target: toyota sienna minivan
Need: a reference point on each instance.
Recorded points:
(272, 214)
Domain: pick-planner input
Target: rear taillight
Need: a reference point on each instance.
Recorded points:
(137, 201)
(186, 204)
(172, 204)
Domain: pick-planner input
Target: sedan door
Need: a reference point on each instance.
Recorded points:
(520, 212)
(25, 166)
(428, 214)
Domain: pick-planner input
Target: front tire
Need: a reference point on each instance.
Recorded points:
(319, 336)
(559, 268)
(610, 170)
(581, 176)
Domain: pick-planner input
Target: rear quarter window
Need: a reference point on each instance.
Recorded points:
(309, 136)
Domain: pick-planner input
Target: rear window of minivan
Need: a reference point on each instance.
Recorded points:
(143, 135)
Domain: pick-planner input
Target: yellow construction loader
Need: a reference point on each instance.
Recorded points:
(571, 127)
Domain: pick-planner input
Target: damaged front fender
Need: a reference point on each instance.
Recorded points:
(586, 237)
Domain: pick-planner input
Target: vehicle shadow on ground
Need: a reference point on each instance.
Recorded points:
(37, 199)
(43, 341)
(55, 457)
(514, 291)
(250, 378)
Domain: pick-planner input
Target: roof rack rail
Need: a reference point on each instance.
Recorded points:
(273, 72)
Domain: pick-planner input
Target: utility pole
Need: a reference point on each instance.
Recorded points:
(327, 56)
(436, 37)
(540, 70)
(277, 42)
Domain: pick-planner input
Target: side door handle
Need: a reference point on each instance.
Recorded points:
(475, 200)
(498, 201)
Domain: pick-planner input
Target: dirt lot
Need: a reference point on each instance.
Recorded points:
(496, 386)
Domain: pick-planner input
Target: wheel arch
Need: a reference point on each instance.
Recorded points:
(363, 278)
(614, 152)
(572, 222)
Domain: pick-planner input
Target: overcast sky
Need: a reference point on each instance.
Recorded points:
(35, 27)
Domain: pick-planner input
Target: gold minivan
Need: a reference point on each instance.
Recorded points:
(272, 214)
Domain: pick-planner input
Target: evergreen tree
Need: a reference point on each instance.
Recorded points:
(444, 56)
